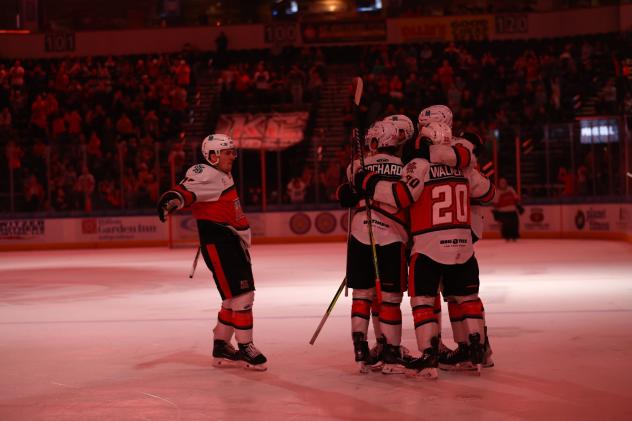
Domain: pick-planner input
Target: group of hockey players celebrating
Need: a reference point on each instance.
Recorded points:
(415, 198)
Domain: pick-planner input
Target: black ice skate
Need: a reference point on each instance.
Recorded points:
(376, 355)
(395, 359)
(361, 351)
(477, 351)
(251, 358)
(457, 359)
(425, 367)
(224, 354)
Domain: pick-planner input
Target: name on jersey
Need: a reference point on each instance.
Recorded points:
(441, 171)
(385, 168)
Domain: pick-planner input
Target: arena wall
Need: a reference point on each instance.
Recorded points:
(590, 221)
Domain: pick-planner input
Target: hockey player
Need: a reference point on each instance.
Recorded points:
(465, 151)
(404, 125)
(438, 197)
(390, 234)
(210, 193)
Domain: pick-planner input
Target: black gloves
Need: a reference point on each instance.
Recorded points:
(416, 148)
(169, 202)
(347, 197)
(365, 182)
(476, 140)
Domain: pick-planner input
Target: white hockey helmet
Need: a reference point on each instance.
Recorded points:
(402, 123)
(439, 133)
(382, 134)
(439, 113)
(212, 144)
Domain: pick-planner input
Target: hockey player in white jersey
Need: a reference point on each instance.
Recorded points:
(404, 125)
(438, 198)
(464, 152)
(210, 193)
(390, 234)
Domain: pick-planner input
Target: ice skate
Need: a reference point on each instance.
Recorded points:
(395, 359)
(457, 359)
(376, 355)
(251, 358)
(224, 354)
(425, 367)
(361, 351)
(477, 352)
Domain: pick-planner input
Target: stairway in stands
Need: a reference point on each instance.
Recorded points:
(328, 129)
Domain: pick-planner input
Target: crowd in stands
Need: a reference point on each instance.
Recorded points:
(262, 82)
(69, 124)
(83, 133)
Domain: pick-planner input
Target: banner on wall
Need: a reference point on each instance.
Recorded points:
(449, 28)
(346, 31)
(275, 131)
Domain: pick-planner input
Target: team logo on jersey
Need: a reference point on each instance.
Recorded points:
(198, 169)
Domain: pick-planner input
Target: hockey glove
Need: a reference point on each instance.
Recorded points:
(365, 182)
(347, 197)
(168, 203)
(476, 140)
(520, 208)
(416, 148)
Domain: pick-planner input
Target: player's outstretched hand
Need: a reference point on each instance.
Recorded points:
(416, 148)
(347, 196)
(167, 204)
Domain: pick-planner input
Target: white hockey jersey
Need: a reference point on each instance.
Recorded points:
(389, 223)
(460, 154)
(211, 195)
(438, 198)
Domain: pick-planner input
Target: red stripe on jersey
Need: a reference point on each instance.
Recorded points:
(423, 315)
(243, 319)
(361, 308)
(219, 271)
(402, 195)
(189, 197)
(391, 314)
(463, 156)
(411, 275)
(225, 316)
(487, 197)
(225, 210)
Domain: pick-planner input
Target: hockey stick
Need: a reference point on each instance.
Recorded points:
(331, 307)
(195, 260)
(358, 95)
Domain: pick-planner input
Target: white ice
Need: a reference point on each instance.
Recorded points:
(124, 334)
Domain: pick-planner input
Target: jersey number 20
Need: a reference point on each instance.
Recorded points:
(449, 204)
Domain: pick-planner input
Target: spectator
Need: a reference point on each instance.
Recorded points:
(506, 209)
(297, 190)
(85, 187)
(33, 194)
(568, 182)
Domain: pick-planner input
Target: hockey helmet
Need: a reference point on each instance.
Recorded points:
(439, 133)
(402, 123)
(439, 113)
(213, 144)
(382, 134)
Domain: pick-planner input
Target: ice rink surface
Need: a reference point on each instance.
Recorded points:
(124, 334)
